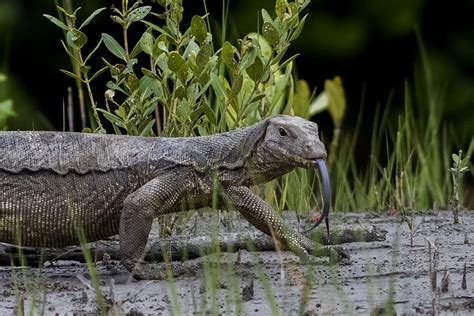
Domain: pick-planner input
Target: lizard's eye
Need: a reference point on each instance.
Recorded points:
(282, 132)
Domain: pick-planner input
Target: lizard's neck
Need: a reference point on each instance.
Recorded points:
(259, 169)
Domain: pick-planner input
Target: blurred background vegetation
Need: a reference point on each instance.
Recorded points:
(371, 44)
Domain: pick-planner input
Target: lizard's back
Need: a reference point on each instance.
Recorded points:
(53, 183)
(66, 152)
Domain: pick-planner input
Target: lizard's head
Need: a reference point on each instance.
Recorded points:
(286, 143)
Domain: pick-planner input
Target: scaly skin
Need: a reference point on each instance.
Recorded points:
(52, 184)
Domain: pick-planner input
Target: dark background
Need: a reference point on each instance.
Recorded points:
(371, 44)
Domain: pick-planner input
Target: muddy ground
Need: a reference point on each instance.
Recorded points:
(269, 282)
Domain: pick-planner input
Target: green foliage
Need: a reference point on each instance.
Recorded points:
(408, 159)
(75, 42)
(174, 82)
(6, 107)
(460, 166)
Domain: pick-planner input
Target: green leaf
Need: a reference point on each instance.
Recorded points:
(92, 16)
(198, 28)
(113, 86)
(203, 56)
(280, 54)
(191, 50)
(121, 112)
(150, 74)
(157, 28)
(218, 86)
(255, 71)
(294, 19)
(147, 129)
(114, 47)
(57, 22)
(136, 50)
(209, 114)
(180, 93)
(286, 62)
(114, 119)
(337, 100)
(146, 43)
(227, 55)
(99, 72)
(162, 46)
(173, 28)
(69, 52)
(76, 38)
(270, 33)
(85, 69)
(301, 99)
(93, 51)
(160, 41)
(118, 20)
(280, 8)
(151, 106)
(236, 86)
(299, 28)
(293, 9)
(266, 17)
(455, 158)
(177, 64)
(258, 98)
(175, 61)
(248, 58)
(138, 14)
(70, 74)
(6, 109)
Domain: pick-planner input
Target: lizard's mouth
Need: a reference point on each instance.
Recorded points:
(321, 165)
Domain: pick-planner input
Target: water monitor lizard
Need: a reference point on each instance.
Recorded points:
(51, 183)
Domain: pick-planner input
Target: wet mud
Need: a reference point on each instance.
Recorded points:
(428, 269)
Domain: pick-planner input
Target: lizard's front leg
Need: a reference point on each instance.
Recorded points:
(263, 217)
(159, 196)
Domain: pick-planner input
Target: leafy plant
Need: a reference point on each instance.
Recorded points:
(176, 81)
(460, 166)
(75, 41)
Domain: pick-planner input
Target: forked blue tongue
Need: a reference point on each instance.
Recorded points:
(320, 163)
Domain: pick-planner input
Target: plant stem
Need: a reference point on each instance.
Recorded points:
(89, 92)
(125, 42)
(67, 4)
(455, 199)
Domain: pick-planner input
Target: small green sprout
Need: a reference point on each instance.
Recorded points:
(460, 166)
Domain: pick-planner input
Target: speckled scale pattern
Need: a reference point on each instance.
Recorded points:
(83, 153)
(52, 183)
(46, 208)
(265, 218)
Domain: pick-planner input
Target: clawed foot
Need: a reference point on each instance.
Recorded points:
(335, 254)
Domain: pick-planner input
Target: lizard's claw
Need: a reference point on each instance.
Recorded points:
(334, 253)
(338, 254)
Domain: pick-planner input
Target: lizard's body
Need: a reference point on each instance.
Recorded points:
(53, 183)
